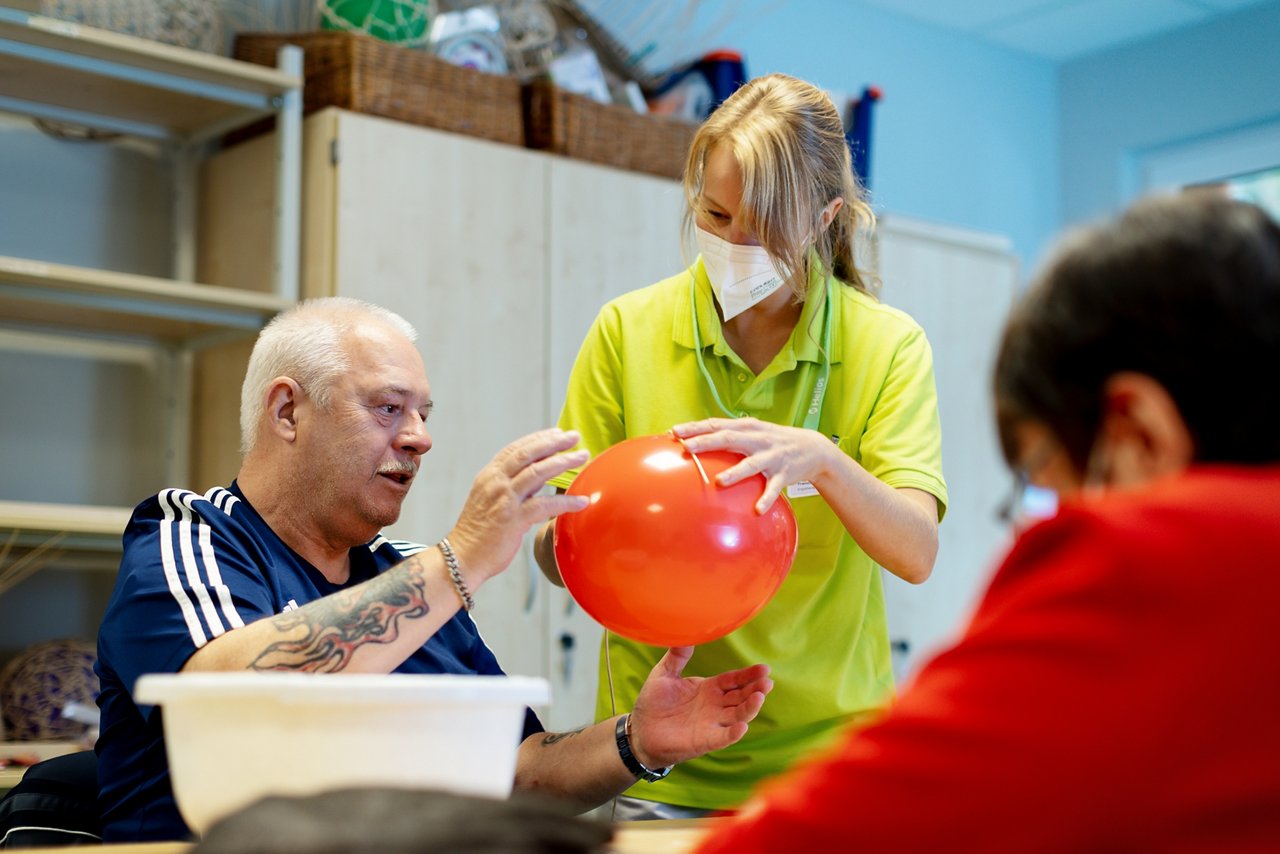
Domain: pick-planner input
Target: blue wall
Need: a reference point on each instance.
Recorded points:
(967, 132)
(1193, 85)
(979, 136)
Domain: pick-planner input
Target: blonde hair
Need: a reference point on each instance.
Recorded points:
(789, 142)
(306, 343)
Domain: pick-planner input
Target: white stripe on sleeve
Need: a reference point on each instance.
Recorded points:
(211, 570)
(171, 574)
(224, 499)
(187, 543)
(408, 548)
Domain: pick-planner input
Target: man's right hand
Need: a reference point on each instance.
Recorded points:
(506, 499)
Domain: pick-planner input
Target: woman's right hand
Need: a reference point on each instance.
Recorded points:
(782, 454)
(544, 552)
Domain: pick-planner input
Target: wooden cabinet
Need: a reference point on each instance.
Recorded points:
(959, 286)
(501, 258)
(613, 232)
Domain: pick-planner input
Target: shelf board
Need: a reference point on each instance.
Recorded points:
(82, 519)
(74, 536)
(79, 298)
(62, 70)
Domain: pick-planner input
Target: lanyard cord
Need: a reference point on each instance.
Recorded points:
(814, 413)
(697, 348)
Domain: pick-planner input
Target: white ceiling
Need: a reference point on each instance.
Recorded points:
(1061, 30)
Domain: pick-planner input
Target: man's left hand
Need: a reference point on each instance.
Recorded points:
(681, 717)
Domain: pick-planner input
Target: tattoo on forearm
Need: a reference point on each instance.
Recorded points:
(333, 628)
(551, 738)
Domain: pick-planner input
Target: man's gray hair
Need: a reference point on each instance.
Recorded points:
(308, 344)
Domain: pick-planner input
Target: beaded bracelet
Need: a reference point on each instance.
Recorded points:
(455, 574)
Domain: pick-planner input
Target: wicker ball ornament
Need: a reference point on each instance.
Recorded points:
(195, 24)
(40, 682)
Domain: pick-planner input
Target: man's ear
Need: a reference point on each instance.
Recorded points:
(283, 399)
(1144, 430)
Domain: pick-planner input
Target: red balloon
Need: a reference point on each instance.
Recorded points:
(664, 558)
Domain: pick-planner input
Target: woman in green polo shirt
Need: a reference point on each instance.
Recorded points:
(771, 344)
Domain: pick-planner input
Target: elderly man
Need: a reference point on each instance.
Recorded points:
(286, 570)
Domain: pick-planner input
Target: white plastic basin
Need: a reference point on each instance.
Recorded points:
(233, 738)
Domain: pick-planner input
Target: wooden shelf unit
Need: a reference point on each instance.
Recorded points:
(184, 100)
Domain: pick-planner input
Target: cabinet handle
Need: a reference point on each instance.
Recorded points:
(567, 643)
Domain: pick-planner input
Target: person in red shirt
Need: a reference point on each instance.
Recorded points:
(1119, 685)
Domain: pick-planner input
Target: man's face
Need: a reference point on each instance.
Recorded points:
(365, 448)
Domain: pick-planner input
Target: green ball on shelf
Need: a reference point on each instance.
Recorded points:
(399, 21)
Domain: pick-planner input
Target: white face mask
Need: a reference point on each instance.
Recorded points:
(740, 276)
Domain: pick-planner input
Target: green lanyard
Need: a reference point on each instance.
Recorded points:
(814, 413)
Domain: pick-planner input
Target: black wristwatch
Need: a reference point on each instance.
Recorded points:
(649, 775)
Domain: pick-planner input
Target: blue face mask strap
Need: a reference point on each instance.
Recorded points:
(697, 350)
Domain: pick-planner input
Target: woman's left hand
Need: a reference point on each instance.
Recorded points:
(784, 455)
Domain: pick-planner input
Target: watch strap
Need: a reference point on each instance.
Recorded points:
(649, 775)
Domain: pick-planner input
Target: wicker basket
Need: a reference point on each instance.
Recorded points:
(576, 126)
(366, 75)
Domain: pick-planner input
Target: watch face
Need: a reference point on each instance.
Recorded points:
(657, 774)
(474, 50)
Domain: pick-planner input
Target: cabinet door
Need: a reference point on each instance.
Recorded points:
(959, 286)
(449, 232)
(610, 232)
